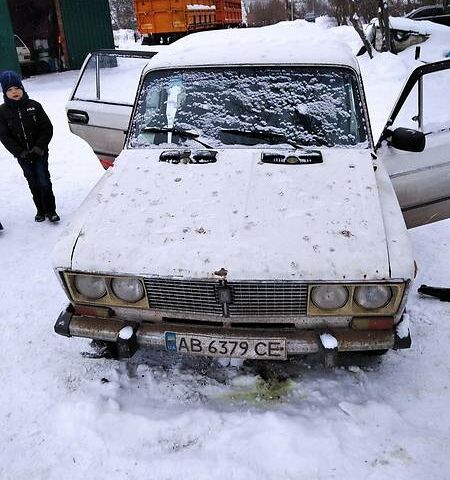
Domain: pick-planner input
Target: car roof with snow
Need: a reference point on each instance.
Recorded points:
(283, 44)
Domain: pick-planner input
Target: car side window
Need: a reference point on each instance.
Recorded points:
(435, 113)
(110, 78)
(424, 13)
(87, 87)
(408, 115)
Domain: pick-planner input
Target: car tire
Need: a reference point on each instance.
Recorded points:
(105, 349)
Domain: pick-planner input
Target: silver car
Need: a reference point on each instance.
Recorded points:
(250, 213)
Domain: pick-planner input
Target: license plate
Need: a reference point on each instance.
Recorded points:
(253, 348)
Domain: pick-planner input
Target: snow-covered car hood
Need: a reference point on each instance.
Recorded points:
(256, 220)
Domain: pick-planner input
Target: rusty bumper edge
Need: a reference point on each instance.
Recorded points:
(152, 334)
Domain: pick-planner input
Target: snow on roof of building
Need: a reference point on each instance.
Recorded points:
(296, 42)
(200, 7)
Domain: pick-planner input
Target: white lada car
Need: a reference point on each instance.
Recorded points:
(250, 213)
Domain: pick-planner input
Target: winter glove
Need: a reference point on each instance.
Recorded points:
(35, 154)
(27, 156)
(38, 151)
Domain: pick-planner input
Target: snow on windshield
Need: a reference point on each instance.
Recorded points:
(308, 106)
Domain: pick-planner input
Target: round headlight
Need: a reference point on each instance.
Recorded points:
(329, 297)
(128, 289)
(373, 296)
(90, 286)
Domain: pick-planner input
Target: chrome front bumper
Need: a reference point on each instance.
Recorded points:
(298, 341)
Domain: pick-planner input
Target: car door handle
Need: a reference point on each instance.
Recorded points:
(77, 116)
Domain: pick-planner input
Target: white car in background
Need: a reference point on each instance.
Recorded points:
(23, 52)
(250, 213)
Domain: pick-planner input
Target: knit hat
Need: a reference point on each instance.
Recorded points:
(10, 79)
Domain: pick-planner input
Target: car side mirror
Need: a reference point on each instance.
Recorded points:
(406, 139)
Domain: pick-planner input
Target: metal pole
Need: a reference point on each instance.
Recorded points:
(97, 77)
(419, 94)
(62, 43)
(420, 119)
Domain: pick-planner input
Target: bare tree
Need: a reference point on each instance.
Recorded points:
(368, 9)
(267, 13)
(383, 20)
(357, 25)
(122, 14)
(341, 11)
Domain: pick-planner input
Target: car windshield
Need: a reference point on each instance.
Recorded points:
(296, 106)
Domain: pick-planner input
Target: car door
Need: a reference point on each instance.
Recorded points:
(101, 102)
(421, 179)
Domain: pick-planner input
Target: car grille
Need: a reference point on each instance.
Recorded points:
(183, 295)
(268, 298)
(248, 298)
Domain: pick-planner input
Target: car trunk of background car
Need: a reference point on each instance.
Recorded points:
(99, 112)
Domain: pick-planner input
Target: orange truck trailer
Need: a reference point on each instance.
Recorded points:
(163, 21)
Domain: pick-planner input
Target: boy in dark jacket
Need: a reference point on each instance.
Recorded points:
(26, 131)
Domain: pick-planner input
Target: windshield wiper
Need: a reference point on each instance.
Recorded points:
(177, 131)
(263, 135)
(312, 125)
(269, 135)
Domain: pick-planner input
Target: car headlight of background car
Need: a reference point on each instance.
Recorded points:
(106, 290)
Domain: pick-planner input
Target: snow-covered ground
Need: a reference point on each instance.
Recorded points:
(65, 415)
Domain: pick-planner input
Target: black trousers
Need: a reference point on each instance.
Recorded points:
(38, 178)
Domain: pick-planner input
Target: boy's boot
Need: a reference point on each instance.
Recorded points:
(53, 217)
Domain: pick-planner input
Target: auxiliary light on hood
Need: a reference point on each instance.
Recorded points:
(184, 156)
(306, 157)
